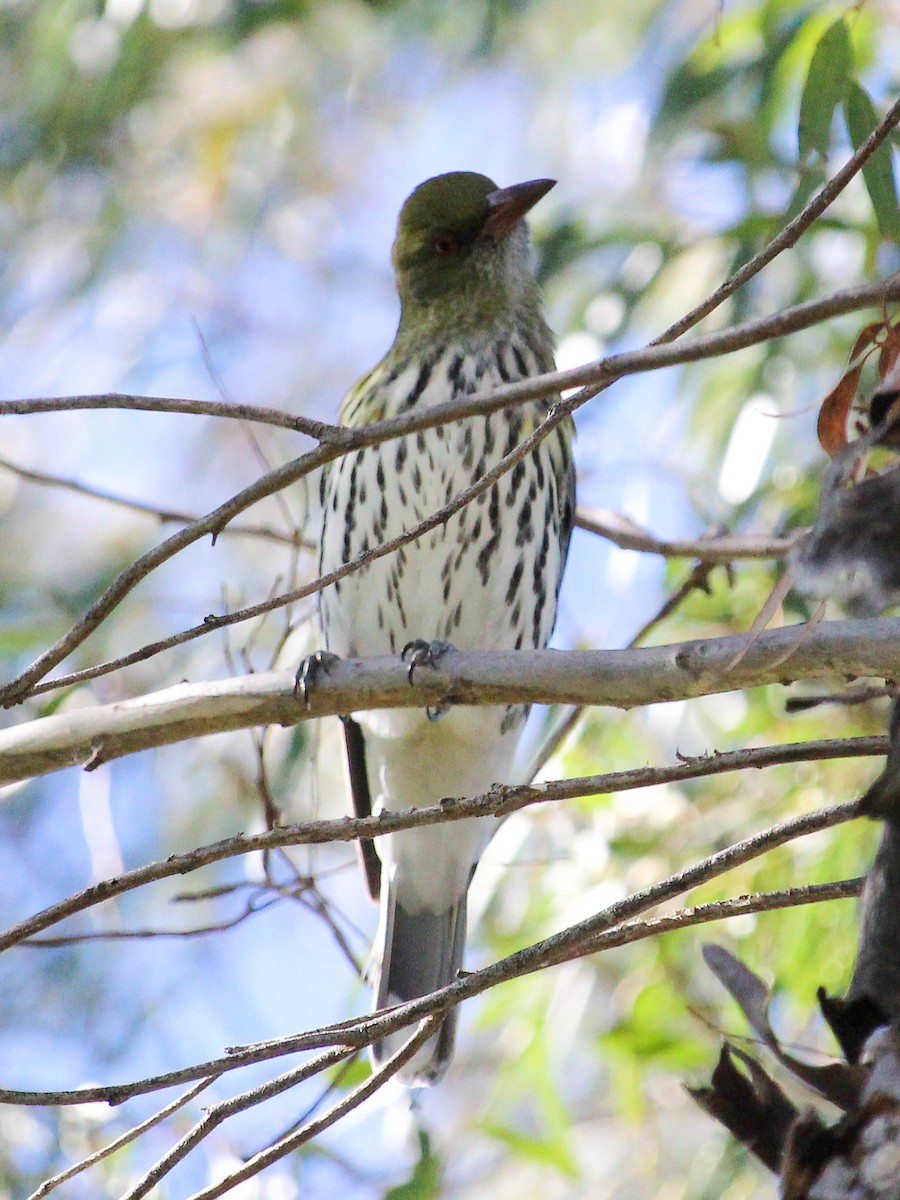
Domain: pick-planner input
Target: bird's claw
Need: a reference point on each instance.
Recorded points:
(309, 671)
(422, 653)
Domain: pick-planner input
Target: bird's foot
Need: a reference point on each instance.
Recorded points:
(422, 653)
(309, 671)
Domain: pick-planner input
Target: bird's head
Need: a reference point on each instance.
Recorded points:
(462, 246)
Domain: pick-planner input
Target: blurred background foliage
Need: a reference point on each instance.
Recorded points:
(197, 198)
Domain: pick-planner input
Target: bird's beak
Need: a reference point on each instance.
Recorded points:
(507, 206)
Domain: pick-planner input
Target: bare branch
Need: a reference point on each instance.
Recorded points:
(218, 1113)
(293, 1141)
(611, 926)
(718, 910)
(572, 942)
(163, 515)
(621, 934)
(130, 1135)
(320, 430)
(499, 802)
(80, 631)
(716, 548)
(213, 523)
(791, 233)
(620, 678)
(339, 441)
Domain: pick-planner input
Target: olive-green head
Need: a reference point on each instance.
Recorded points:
(462, 244)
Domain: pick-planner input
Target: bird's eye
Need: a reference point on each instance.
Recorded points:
(445, 244)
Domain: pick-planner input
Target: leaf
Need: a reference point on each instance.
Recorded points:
(878, 172)
(751, 1106)
(425, 1181)
(836, 1082)
(851, 1021)
(750, 992)
(831, 426)
(887, 392)
(549, 1152)
(824, 89)
(889, 358)
(347, 1075)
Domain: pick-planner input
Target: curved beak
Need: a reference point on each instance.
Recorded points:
(507, 206)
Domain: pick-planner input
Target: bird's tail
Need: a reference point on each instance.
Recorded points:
(422, 951)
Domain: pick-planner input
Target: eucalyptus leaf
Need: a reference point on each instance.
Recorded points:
(825, 87)
(878, 173)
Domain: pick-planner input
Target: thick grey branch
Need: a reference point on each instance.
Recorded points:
(617, 678)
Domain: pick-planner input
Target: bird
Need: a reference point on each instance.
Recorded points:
(486, 578)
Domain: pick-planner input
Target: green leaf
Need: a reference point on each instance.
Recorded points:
(347, 1075)
(547, 1151)
(878, 172)
(425, 1181)
(825, 88)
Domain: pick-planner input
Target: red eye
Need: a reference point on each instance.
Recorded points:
(445, 244)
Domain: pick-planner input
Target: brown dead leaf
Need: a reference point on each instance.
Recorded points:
(831, 426)
(834, 413)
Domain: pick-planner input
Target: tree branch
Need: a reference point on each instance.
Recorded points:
(618, 678)
(791, 233)
(341, 440)
(713, 548)
(163, 515)
(598, 931)
(501, 801)
(346, 1104)
(217, 1113)
(130, 1135)
(320, 430)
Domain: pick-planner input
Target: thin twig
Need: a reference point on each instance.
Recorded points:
(320, 430)
(587, 936)
(365, 1030)
(718, 910)
(557, 736)
(130, 1135)
(624, 933)
(625, 533)
(348, 829)
(342, 439)
(597, 376)
(214, 1116)
(850, 696)
(719, 548)
(499, 802)
(127, 580)
(165, 516)
(251, 908)
(697, 580)
(352, 1100)
(791, 233)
